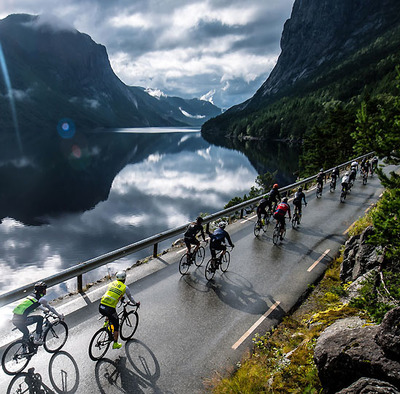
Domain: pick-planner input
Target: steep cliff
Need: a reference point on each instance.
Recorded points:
(324, 43)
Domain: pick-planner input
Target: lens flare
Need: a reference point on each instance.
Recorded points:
(7, 82)
(66, 128)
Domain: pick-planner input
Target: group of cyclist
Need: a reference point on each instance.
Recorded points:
(22, 314)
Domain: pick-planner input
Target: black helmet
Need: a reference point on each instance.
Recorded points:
(300, 189)
(199, 219)
(284, 199)
(40, 287)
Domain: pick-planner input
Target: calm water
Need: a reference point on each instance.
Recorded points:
(67, 200)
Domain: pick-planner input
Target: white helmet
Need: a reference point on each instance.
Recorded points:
(121, 275)
(222, 224)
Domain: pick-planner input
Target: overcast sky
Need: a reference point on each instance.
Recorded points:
(220, 50)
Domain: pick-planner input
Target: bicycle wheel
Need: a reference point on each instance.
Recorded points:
(209, 272)
(16, 357)
(294, 221)
(100, 343)
(225, 260)
(199, 258)
(129, 325)
(364, 180)
(257, 228)
(55, 337)
(342, 196)
(184, 264)
(276, 235)
(332, 187)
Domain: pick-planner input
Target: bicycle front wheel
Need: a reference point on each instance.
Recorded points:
(129, 325)
(99, 344)
(55, 337)
(199, 258)
(225, 260)
(294, 221)
(210, 271)
(16, 357)
(184, 264)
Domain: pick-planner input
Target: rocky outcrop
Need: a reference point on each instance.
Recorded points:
(368, 386)
(359, 257)
(345, 353)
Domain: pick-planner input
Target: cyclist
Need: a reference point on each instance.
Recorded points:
(367, 166)
(280, 213)
(299, 196)
(22, 318)
(274, 197)
(346, 181)
(108, 304)
(217, 242)
(374, 164)
(354, 167)
(261, 207)
(190, 235)
(352, 175)
(321, 177)
(335, 175)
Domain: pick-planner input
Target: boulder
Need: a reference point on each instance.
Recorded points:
(388, 335)
(368, 386)
(344, 354)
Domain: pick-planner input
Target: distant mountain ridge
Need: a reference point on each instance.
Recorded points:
(329, 51)
(58, 73)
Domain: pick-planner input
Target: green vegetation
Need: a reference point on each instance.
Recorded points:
(282, 360)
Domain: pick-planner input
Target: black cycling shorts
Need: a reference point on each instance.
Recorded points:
(191, 241)
(111, 313)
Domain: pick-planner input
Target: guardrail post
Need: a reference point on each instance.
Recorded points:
(241, 213)
(155, 250)
(80, 286)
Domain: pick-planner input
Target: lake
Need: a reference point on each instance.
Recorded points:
(70, 198)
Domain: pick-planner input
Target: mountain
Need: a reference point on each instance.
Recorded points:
(333, 52)
(58, 72)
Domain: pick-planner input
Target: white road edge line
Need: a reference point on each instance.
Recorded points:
(248, 219)
(255, 325)
(318, 261)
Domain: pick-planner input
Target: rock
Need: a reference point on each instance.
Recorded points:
(359, 257)
(388, 336)
(344, 354)
(368, 386)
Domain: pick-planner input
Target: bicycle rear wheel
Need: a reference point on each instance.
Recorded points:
(276, 235)
(294, 221)
(225, 260)
(257, 228)
(210, 271)
(100, 343)
(129, 325)
(364, 180)
(342, 196)
(55, 337)
(16, 357)
(199, 258)
(184, 264)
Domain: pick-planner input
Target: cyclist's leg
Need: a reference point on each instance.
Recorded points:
(112, 316)
(38, 320)
(195, 242)
(20, 323)
(187, 243)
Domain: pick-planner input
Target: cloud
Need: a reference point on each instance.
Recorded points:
(183, 48)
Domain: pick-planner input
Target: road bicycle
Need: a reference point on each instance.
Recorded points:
(262, 224)
(332, 186)
(221, 261)
(343, 194)
(319, 190)
(102, 338)
(196, 257)
(276, 235)
(296, 218)
(18, 354)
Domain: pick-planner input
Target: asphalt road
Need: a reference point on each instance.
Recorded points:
(190, 328)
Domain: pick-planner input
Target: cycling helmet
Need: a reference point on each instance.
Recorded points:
(321, 170)
(40, 287)
(199, 219)
(300, 189)
(222, 224)
(121, 275)
(284, 199)
(275, 186)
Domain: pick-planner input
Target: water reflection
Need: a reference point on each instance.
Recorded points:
(70, 200)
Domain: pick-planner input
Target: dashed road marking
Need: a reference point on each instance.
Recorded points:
(319, 260)
(255, 325)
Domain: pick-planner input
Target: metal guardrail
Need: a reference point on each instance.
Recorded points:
(78, 270)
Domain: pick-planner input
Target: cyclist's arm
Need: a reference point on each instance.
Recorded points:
(44, 306)
(228, 238)
(202, 233)
(129, 295)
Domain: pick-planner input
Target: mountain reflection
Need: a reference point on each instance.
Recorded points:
(70, 200)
